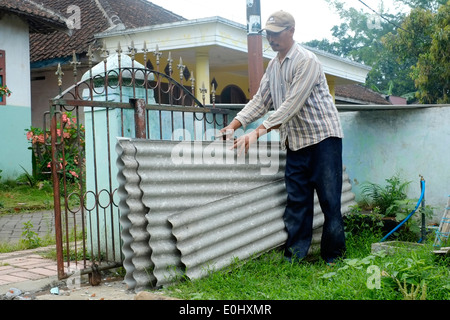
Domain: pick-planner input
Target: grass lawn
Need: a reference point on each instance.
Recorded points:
(360, 276)
(16, 197)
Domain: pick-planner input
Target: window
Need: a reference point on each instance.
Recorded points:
(2, 74)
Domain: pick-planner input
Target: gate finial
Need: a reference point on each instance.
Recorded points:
(105, 52)
(145, 50)
(157, 54)
(203, 91)
(75, 62)
(60, 74)
(181, 67)
(169, 63)
(132, 50)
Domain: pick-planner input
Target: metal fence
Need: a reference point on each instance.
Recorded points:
(118, 97)
(137, 173)
(189, 208)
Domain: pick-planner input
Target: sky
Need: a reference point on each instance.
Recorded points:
(314, 18)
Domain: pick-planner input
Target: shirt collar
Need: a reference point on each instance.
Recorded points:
(290, 52)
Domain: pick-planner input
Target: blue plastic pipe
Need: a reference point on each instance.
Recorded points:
(410, 215)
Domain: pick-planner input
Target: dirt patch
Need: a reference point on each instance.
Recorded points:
(108, 289)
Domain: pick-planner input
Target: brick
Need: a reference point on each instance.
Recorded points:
(8, 278)
(28, 275)
(43, 271)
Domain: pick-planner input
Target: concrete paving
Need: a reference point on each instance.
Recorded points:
(12, 225)
(36, 277)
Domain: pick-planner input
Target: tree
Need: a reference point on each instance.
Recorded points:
(432, 5)
(432, 71)
(409, 54)
(422, 44)
(359, 38)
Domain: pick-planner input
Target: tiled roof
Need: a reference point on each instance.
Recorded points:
(95, 16)
(356, 93)
(40, 19)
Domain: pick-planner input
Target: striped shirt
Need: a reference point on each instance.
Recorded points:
(297, 90)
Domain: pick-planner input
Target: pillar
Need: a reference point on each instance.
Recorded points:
(331, 85)
(202, 76)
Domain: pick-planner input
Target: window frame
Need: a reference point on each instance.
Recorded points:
(2, 74)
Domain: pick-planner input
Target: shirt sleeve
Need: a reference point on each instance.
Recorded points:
(258, 106)
(305, 78)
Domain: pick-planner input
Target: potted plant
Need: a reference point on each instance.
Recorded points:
(4, 91)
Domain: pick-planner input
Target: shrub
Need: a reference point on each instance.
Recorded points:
(70, 147)
(383, 197)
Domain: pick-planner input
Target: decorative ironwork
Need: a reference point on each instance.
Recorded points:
(100, 104)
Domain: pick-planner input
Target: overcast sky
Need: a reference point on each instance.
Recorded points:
(314, 18)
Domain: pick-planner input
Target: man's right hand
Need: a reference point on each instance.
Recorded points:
(228, 132)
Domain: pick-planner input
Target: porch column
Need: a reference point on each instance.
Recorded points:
(331, 85)
(202, 75)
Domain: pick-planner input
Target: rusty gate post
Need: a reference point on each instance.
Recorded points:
(139, 117)
(56, 194)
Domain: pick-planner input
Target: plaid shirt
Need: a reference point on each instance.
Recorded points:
(297, 90)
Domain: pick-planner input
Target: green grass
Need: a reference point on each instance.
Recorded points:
(269, 277)
(19, 197)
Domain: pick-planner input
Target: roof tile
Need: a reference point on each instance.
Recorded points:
(95, 16)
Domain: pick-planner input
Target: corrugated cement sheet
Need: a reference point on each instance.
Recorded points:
(195, 206)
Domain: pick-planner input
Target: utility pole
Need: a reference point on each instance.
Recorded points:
(254, 43)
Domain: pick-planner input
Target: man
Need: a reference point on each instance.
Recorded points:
(294, 84)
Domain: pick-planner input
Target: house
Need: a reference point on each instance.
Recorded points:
(89, 17)
(19, 19)
(216, 50)
(213, 49)
(357, 94)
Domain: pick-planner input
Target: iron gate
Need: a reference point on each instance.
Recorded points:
(127, 100)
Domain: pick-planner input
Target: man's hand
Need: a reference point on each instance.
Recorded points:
(228, 132)
(243, 143)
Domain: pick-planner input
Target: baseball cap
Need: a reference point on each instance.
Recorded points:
(279, 21)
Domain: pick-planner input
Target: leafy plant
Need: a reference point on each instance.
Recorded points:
(4, 91)
(410, 274)
(31, 239)
(400, 209)
(384, 197)
(356, 222)
(70, 151)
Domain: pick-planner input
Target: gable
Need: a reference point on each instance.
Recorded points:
(39, 18)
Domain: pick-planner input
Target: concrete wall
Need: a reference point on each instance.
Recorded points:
(409, 142)
(406, 140)
(15, 116)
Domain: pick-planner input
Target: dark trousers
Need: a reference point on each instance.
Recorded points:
(319, 168)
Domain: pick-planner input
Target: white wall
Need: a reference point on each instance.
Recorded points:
(15, 116)
(15, 39)
(412, 142)
(379, 144)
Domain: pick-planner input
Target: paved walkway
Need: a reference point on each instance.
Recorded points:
(12, 225)
(25, 268)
